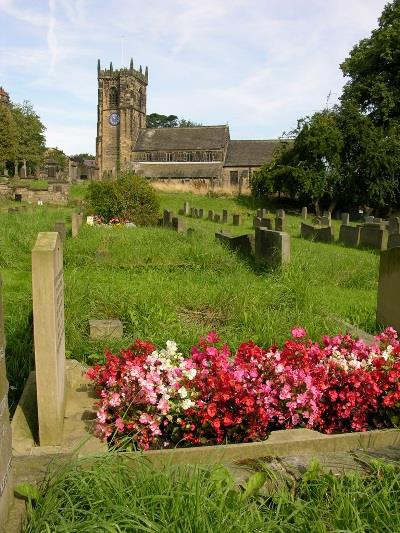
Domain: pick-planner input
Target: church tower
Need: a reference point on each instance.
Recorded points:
(121, 112)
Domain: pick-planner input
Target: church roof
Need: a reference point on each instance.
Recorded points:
(178, 170)
(196, 138)
(250, 153)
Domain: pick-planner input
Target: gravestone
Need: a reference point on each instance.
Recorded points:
(6, 481)
(76, 223)
(196, 212)
(192, 212)
(280, 213)
(105, 329)
(393, 240)
(394, 225)
(60, 228)
(217, 217)
(350, 235)
(317, 234)
(326, 221)
(262, 213)
(266, 223)
(272, 248)
(181, 212)
(256, 222)
(279, 224)
(388, 309)
(244, 244)
(373, 236)
(377, 220)
(304, 213)
(369, 219)
(49, 335)
(210, 215)
(167, 217)
(224, 216)
(186, 208)
(236, 220)
(345, 218)
(178, 224)
(201, 213)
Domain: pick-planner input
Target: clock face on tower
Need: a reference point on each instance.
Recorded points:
(113, 119)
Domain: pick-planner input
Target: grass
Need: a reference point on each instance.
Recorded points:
(164, 285)
(36, 185)
(112, 495)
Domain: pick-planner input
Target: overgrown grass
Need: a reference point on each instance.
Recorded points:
(164, 285)
(109, 494)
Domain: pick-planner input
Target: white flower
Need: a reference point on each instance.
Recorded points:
(186, 404)
(171, 347)
(182, 392)
(190, 374)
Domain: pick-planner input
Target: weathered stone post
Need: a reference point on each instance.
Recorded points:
(200, 213)
(217, 217)
(186, 209)
(224, 216)
(272, 248)
(210, 215)
(76, 223)
(6, 482)
(49, 335)
(236, 219)
(60, 228)
(304, 213)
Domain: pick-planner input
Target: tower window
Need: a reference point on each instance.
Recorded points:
(113, 97)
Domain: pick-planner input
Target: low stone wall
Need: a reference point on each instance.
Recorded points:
(56, 193)
(317, 234)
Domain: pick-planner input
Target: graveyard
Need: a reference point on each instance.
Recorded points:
(175, 282)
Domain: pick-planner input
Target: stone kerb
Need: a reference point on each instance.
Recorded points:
(49, 335)
(6, 482)
(272, 248)
(350, 235)
(373, 236)
(388, 310)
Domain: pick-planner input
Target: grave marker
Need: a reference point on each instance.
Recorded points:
(388, 309)
(350, 235)
(186, 208)
(394, 225)
(316, 234)
(345, 218)
(272, 248)
(167, 217)
(280, 213)
(224, 216)
(279, 224)
(201, 213)
(304, 213)
(393, 240)
(243, 244)
(210, 215)
(60, 228)
(373, 236)
(76, 223)
(217, 217)
(6, 482)
(105, 329)
(236, 219)
(49, 335)
(178, 224)
(326, 221)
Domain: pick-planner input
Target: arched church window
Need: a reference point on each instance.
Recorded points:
(113, 97)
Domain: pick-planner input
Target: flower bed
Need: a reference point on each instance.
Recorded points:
(153, 399)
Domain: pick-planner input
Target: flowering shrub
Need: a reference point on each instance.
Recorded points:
(158, 398)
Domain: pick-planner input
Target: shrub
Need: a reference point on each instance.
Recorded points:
(157, 398)
(130, 198)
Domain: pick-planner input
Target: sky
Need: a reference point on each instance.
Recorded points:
(258, 65)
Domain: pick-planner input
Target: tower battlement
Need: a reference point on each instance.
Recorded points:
(124, 71)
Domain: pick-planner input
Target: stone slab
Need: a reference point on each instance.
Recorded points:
(272, 248)
(60, 228)
(372, 236)
(393, 240)
(349, 235)
(49, 334)
(388, 305)
(316, 234)
(105, 329)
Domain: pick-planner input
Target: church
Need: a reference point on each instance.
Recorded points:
(204, 153)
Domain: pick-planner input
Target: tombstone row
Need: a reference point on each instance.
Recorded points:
(170, 221)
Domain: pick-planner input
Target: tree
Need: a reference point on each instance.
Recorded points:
(59, 157)
(8, 134)
(31, 141)
(154, 120)
(80, 158)
(374, 70)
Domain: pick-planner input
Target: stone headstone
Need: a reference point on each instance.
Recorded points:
(266, 223)
(327, 214)
(304, 213)
(201, 213)
(192, 212)
(210, 215)
(262, 213)
(186, 208)
(388, 309)
(345, 218)
(369, 219)
(279, 224)
(6, 481)
(76, 223)
(377, 220)
(350, 235)
(326, 221)
(181, 212)
(196, 212)
(317, 234)
(236, 219)
(373, 236)
(280, 213)
(105, 329)
(49, 335)
(394, 225)
(393, 240)
(256, 222)
(224, 216)
(244, 244)
(178, 224)
(167, 217)
(60, 228)
(217, 217)
(272, 248)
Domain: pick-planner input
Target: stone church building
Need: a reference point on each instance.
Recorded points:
(199, 153)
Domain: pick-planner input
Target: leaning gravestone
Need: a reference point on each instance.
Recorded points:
(6, 482)
(388, 309)
(236, 220)
(61, 229)
(49, 335)
(272, 248)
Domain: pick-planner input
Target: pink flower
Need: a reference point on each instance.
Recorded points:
(120, 424)
(298, 333)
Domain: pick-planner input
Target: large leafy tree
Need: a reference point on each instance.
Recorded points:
(155, 120)
(8, 134)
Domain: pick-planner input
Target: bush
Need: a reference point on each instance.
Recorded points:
(129, 198)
